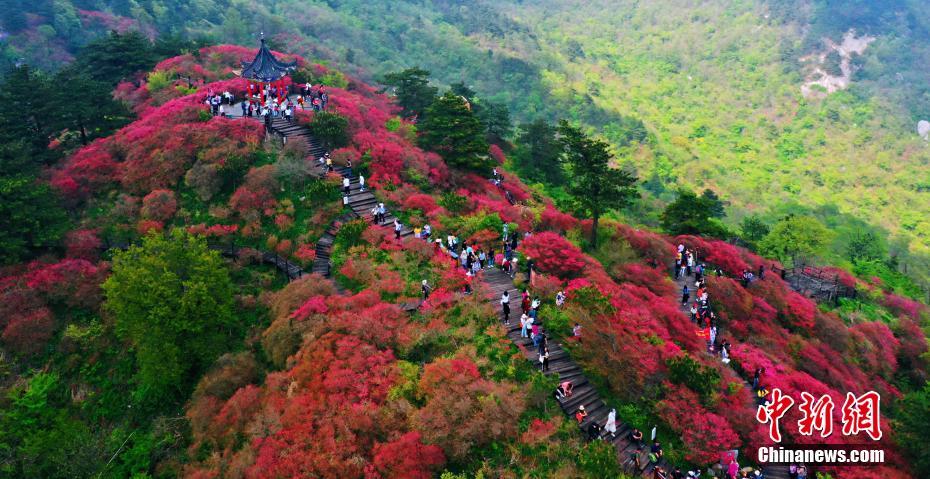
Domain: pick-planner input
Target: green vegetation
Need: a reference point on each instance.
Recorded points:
(913, 421)
(796, 239)
(452, 130)
(171, 299)
(594, 185)
(412, 90)
(691, 214)
(331, 129)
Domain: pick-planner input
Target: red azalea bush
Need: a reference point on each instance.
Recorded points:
(704, 433)
(554, 254)
(159, 205)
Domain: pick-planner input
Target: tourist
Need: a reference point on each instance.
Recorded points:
(505, 307)
(793, 471)
(397, 228)
(530, 264)
(611, 425)
(382, 213)
(656, 448)
(245, 107)
(542, 341)
(636, 436)
(559, 299)
(544, 360)
(564, 390)
(361, 183)
(581, 414)
(513, 267)
(329, 163)
(761, 393)
(694, 311)
(756, 377)
(685, 295)
(534, 333)
(576, 333)
(427, 231)
(525, 301)
(525, 324)
(594, 431)
(468, 279)
(417, 232)
(424, 287)
(345, 186)
(222, 110)
(374, 214)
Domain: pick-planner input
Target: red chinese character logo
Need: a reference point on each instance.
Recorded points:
(862, 414)
(818, 416)
(772, 411)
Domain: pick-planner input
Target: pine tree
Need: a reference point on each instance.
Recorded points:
(412, 89)
(452, 130)
(594, 185)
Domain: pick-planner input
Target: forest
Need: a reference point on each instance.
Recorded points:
(143, 333)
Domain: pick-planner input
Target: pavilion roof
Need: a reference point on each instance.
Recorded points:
(265, 67)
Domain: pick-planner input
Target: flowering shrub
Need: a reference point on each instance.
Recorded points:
(159, 205)
(554, 254)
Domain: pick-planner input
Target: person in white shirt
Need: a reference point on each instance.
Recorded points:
(345, 186)
(361, 183)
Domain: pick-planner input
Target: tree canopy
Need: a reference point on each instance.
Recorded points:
(171, 299)
(796, 238)
(452, 130)
(691, 214)
(411, 86)
(594, 185)
(537, 155)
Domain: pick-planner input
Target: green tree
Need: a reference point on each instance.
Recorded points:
(94, 113)
(331, 129)
(865, 247)
(691, 214)
(26, 115)
(411, 86)
(537, 154)
(912, 423)
(31, 218)
(38, 438)
(171, 300)
(714, 204)
(795, 239)
(594, 185)
(116, 57)
(753, 229)
(452, 130)
(494, 116)
(496, 120)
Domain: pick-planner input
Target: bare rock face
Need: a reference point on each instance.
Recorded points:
(923, 129)
(818, 83)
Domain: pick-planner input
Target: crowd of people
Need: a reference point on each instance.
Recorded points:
(270, 102)
(473, 258)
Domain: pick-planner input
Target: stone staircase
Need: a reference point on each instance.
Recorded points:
(562, 365)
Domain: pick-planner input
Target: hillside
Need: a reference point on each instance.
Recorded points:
(718, 86)
(159, 337)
